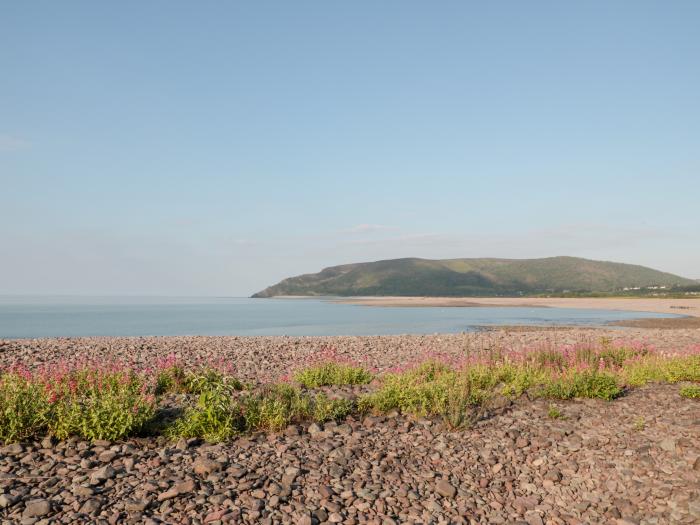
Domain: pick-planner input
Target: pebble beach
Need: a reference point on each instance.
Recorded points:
(635, 460)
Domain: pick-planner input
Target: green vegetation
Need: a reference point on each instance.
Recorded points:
(690, 391)
(175, 379)
(24, 409)
(553, 412)
(582, 384)
(217, 416)
(657, 369)
(332, 373)
(106, 402)
(479, 277)
(92, 403)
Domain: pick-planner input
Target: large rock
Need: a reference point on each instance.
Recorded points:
(102, 474)
(445, 489)
(37, 508)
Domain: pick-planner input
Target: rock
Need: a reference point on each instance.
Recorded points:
(83, 492)
(203, 467)
(102, 474)
(314, 429)
(694, 508)
(37, 508)
(290, 474)
(668, 444)
(13, 449)
(532, 518)
(326, 492)
(7, 500)
(106, 456)
(90, 506)
(168, 494)
(553, 475)
(185, 487)
(445, 489)
(137, 506)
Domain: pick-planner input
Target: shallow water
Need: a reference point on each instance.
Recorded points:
(32, 317)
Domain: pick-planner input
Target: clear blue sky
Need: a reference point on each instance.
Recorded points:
(185, 148)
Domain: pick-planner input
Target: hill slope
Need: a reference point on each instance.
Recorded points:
(472, 277)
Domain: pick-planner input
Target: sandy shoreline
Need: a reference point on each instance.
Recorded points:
(689, 307)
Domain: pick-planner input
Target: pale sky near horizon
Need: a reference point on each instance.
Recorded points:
(179, 148)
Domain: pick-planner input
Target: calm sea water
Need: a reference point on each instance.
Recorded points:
(32, 317)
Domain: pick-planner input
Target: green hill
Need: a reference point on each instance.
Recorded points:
(474, 277)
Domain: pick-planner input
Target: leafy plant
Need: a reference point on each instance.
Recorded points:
(582, 384)
(325, 408)
(690, 391)
(332, 373)
(215, 417)
(24, 409)
(553, 412)
(98, 404)
(275, 407)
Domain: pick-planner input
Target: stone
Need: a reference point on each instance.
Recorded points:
(445, 489)
(13, 449)
(107, 456)
(168, 494)
(136, 506)
(203, 467)
(37, 508)
(553, 475)
(102, 474)
(90, 506)
(7, 500)
(668, 444)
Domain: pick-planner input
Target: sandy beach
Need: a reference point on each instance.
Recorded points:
(688, 307)
(683, 306)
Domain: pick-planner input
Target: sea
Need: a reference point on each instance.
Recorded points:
(67, 316)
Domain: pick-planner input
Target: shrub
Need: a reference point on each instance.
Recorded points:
(332, 373)
(24, 409)
(175, 379)
(328, 409)
(95, 403)
(275, 407)
(691, 391)
(215, 417)
(170, 379)
(582, 383)
(206, 379)
(431, 389)
(657, 369)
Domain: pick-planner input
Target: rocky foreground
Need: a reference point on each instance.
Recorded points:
(635, 460)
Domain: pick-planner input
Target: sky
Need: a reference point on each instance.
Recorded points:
(180, 148)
